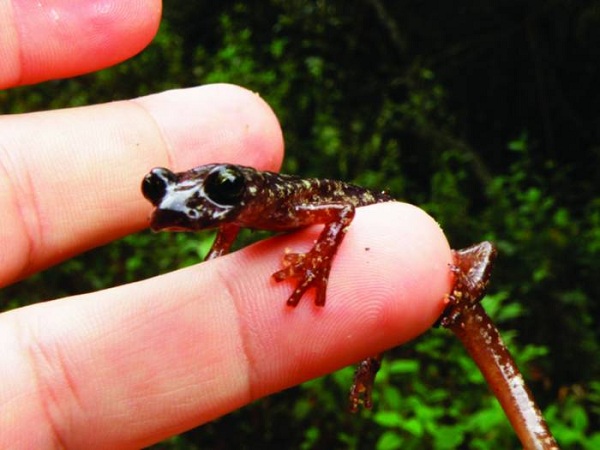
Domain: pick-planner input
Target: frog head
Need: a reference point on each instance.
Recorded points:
(202, 198)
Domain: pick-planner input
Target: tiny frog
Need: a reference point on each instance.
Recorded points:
(230, 197)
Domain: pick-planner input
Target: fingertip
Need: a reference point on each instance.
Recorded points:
(62, 38)
(232, 124)
(116, 144)
(387, 285)
(204, 340)
(401, 257)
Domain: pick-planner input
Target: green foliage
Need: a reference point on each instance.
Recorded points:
(482, 125)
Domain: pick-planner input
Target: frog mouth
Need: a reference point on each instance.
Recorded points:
(171, 220)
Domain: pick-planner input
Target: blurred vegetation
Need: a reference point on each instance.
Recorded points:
(484, 113)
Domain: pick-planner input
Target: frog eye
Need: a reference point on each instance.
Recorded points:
(225, 185)
(154, 185)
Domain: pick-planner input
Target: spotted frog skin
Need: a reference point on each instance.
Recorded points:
(231, 197)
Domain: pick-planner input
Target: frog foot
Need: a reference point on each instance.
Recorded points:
(312, 270)
(361, 392)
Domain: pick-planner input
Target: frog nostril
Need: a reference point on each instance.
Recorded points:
(193, 214)
(154, 185)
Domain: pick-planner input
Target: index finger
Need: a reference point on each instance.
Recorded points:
(129, 366)
(62, 38)
(70, 179)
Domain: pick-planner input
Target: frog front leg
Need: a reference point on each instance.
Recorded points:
(226, 235)
(312, 268)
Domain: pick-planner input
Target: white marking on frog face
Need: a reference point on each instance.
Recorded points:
(177, 195)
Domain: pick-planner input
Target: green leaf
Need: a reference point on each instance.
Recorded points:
(389, 440)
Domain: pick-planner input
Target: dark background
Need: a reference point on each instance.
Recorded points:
(484, 113)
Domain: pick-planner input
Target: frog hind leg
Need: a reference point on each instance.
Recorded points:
(361, 392)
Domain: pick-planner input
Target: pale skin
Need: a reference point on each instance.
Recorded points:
(132, 365)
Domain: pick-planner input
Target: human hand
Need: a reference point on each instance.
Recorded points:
(131, 365)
